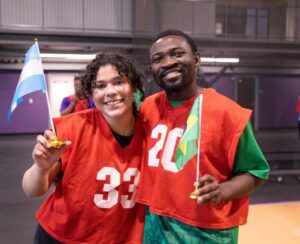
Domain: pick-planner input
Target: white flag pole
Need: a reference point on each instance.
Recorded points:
(50, 115)
(194, 195)
(46, 93)
(199, 139)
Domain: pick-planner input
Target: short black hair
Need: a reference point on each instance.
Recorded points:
(173, 32)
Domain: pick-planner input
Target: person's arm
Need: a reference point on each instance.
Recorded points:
(46, 167)
(210, 191)
(67, 109)
(250, 171)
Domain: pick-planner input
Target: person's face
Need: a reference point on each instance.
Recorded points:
(77, 85)
(112, 93)
(173, 63)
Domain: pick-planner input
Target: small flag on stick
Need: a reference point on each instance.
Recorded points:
(188, 146)
(32, 78)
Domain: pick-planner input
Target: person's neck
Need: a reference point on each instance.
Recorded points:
(123, 126)
(184, 94)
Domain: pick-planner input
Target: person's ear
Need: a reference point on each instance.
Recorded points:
(149, 68)
(197, 58)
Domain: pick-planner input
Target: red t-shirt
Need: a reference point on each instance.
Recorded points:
(94, 201)
(82, 104)
(165, 188)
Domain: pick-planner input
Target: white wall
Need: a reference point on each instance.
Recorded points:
(60, 85)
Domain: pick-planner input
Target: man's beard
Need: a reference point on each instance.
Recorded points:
(172, 88)
(168, 86)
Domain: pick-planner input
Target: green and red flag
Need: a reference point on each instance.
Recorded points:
(188, 144)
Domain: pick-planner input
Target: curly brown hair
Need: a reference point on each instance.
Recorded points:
(124, 65)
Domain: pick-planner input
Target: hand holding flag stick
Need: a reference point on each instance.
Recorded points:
(194, 195)
(187, 147)
(56, 142)
(32, 79)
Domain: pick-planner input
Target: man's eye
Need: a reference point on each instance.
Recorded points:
(156, 59)
(179, 54)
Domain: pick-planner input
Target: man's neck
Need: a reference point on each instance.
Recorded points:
(184, 94)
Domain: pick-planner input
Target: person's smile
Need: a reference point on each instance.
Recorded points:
(113, 102)
(171, 75)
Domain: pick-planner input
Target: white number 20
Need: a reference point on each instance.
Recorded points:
(160, 131)
(115, 180)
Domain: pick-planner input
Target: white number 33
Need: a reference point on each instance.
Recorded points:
(115, 181)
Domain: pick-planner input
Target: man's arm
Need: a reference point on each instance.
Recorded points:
(210, 191)
(249, 172)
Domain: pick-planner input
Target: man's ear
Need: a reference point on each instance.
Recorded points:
(197, 58)
(149, 68)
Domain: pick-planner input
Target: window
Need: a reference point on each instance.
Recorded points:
(232, 21)
(257, 23)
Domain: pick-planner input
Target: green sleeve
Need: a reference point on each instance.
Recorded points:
(249, 158)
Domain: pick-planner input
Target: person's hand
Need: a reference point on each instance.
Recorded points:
(208, 190)
(76, 99)
(43, 154)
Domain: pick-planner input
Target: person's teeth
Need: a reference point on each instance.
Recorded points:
(172, 74)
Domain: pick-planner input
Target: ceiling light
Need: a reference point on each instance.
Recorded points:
(219, 60)
(68, 56)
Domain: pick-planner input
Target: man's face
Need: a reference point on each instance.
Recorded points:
(173, 63)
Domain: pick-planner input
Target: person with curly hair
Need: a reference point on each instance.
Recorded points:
(96, 172)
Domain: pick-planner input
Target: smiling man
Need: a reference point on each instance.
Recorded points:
(231, 163)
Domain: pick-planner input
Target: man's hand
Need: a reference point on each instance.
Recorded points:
(208, 190)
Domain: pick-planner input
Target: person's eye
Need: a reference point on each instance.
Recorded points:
(179, 54)
(119, 82)
(156, 59)
(99, 86)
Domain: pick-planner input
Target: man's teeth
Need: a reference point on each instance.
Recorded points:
(172, 74)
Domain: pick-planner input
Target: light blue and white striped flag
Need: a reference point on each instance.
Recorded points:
(32, 78)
